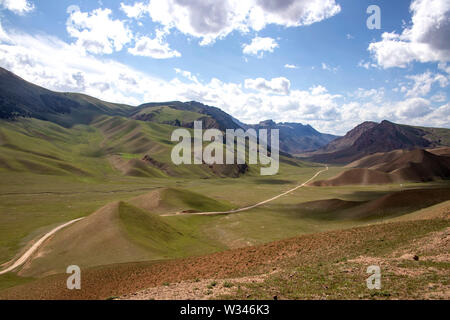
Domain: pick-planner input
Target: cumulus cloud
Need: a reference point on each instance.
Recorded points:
(187, 75)
(259, 46)
(155, 48)
(444, 67)
(426, 40)
(57, 65)
(372, 95)
(292, 13)
(97, 32)
(135, 11)
(210, 20)
(276, 85)
(17, 6)
(317, 90)
(412, 108)
(422, 83)
(439, 117)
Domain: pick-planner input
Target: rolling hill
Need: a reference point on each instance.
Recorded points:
(393, 167)
(184, 114)
(128, 231)
(389, 205)
(107, 146)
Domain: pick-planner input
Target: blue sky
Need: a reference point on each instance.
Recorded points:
(313, 62)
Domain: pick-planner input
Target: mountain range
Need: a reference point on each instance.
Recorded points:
(21, 99)
(296, 138)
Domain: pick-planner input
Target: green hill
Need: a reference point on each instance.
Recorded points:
(121, 232)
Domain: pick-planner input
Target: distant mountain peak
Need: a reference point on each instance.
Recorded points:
(268, 123)
(296, 138)
(371, 137)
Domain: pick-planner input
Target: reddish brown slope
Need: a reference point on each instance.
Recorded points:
(392, 204)
(374, 160)
(359, 176)
(397, 166)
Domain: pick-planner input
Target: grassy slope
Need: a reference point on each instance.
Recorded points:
(340, 273)
(175, 200)
(118, 232)
(439, 135)
(164, 114)
(316, 266)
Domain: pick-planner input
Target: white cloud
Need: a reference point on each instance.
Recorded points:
(96, 32)
(439, 117)
(413, 108)
(54, 64)
(17, 6)
(317, 90)
(187, 75)
(135, 11)
(276, 85)
(439, 97)
(210, 20)
(423, 83)
(290, 66)
(329, 68)
(155, 48)
(57, 65)
(291, 13)
(444, 67)
(375, 95)
(260, 45)
(3, 35)
(425, 41)
(366, 64)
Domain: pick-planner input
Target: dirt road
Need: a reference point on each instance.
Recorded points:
(38, 243)
(249, 207)
(36, 246)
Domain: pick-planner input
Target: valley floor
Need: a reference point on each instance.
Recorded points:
(242, 255)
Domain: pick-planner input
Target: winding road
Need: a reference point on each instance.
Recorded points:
(250, 207)
(36, 246)
(22, 259)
